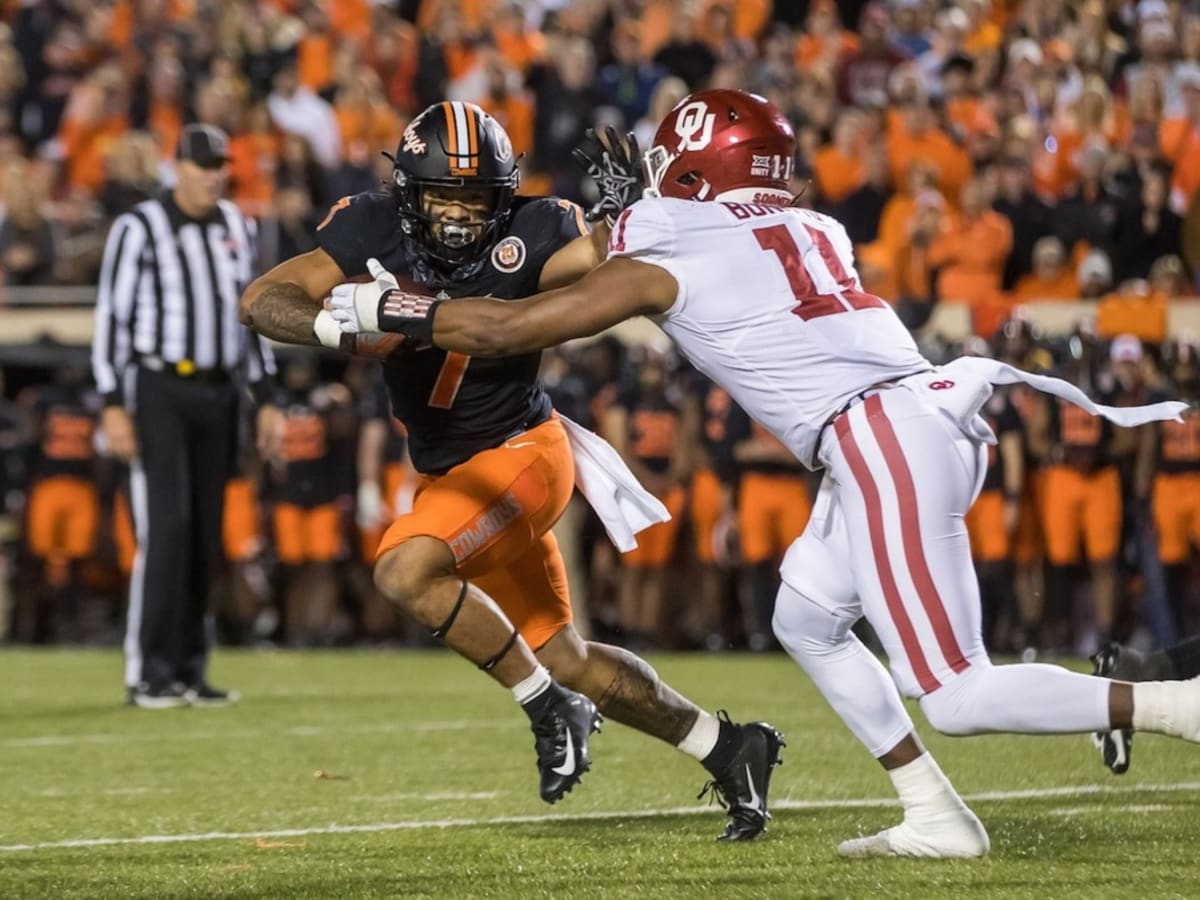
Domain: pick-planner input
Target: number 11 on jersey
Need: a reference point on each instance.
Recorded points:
(778, 239)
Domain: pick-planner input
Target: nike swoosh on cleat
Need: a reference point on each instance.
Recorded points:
(568, 766)
(755, 800)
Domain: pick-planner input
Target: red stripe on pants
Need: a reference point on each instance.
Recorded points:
(887, 580)
(910, 530)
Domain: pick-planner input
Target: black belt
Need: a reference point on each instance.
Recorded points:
(847, 406)
(184, 369)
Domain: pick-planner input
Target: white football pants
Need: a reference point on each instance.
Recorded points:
(887, 540)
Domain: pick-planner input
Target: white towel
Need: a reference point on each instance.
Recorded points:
(980, 373)
(623, 505)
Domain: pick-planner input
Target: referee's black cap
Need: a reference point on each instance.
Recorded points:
(205, 145)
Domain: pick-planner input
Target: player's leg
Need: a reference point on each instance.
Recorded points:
(908, 477)
(706, 511)
(1102, 537)
(814, 613)
(628, 690)
(476, 518)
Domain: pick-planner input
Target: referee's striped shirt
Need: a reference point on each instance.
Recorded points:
(169, 289)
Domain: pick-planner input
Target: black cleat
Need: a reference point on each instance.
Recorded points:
(1115, 746)
(561, 741)
(741, 787)
(147, 696)
(204, 694)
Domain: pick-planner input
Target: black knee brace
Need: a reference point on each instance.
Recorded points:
(440, 631)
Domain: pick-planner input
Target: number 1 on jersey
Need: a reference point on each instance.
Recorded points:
(449, 380)
(812, 304)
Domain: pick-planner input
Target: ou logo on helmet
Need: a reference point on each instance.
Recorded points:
(694, 125)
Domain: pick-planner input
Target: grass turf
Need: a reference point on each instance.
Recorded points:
(412, 739)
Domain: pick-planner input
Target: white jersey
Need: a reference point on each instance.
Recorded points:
(771, 308)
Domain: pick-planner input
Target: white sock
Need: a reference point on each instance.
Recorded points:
(700, 741)
(1154, 706)
(533, 684)
(921, 784)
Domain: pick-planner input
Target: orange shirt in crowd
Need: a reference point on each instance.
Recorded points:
(165, 122)
(1180, 143)
(520, 49)
(836, 174)
(515, 113)
(253, 159)
(377, 125)
(933, 147)
(988, 37)
(473, 14)
(314, 61)
(1032, 287)
(810, 50)
(86, 144)
(1144, 316)
(655, 24)
(970, 257)
(350, 18)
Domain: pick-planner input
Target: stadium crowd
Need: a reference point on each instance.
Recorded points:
(984, 153)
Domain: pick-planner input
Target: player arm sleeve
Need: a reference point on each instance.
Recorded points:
(646, 233)
(344, 234)
(112, 339)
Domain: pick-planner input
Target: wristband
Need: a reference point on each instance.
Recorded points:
(327, 330)
(409, 314)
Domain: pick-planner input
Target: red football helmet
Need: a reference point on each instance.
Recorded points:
(722, 145)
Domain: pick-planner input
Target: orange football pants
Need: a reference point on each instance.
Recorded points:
(1079, 505)
(985, 525)
(62, 518)
(495, 512)
(307, 534)
(706, 512)
(773, 511)
(1177, 515)
(656, 545)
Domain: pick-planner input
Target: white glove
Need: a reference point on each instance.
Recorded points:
(368, 511)
(355, 306)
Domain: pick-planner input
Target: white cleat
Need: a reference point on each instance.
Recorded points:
(959, 835)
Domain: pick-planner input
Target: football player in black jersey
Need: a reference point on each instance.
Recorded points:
(475, 560)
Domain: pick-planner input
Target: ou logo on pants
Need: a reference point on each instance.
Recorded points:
(694, 126)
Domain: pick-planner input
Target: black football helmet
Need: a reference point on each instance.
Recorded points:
(454, 145)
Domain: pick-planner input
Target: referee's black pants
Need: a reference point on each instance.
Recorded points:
(186, 432)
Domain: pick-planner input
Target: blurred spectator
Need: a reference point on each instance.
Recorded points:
(969, 255)
(861, 210)
(298, 169)
(253, 161)
(686, 56)
(628, 81)
(27, 245)
(949, 41)
(507, 100)
(838, 166)
(1088, 214)
(910, 27)
(1146, 228)
(824, 42)
(1094, 275)
(666, 95)
(1051, 278)
(355, 175)
(95, 116)
(296, 110)
(1030, 218)
(296, 224)
(862, 77)
(566, 102)
(132, 173)
(916, 136)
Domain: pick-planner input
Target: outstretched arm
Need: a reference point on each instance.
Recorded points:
(284, 303)
(617, 290)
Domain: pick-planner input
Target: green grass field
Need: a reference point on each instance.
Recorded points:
(430, 790)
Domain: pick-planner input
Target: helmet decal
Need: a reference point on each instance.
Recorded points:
(694, 125)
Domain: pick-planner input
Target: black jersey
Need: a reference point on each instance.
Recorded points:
(1004, 419)
(67, 417)
(452, 405)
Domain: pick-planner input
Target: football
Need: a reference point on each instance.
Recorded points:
(381, 346)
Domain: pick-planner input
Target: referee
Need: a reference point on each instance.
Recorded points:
(168, 355)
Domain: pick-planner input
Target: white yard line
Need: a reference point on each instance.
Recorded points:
(68, 740)
(375, 827)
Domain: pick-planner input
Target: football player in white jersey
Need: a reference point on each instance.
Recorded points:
(764, 299)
